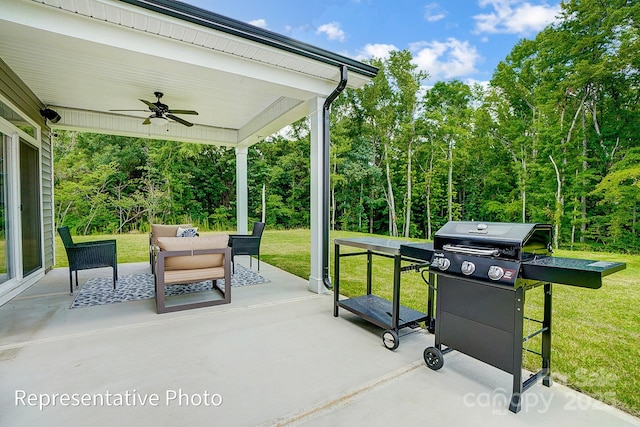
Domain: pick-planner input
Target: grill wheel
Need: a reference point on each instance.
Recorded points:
(434, 358)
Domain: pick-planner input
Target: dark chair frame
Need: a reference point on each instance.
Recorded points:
(88, 255)
(246, 245)
(162, 307)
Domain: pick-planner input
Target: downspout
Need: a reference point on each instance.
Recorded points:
(326, 166)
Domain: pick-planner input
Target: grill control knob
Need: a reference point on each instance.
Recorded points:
(467, 268)
(495, 272)
(443, 263)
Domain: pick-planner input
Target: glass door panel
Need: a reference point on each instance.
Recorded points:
(30, 208)
(5, 261)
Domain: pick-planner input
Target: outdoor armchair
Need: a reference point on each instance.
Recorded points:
(247, 245)
(88, 255)
(181, 260)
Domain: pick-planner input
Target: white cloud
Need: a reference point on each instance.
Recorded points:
(445, 60)
(515, 17)
(373, 50)
(471, 82)
(433, 12)
(442, 60)
(332, 30)
(259, 23)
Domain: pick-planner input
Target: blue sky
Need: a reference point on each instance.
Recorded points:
(450, 39)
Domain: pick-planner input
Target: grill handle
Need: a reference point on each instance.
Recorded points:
(470, 251)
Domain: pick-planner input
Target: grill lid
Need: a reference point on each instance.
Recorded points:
(495, 239)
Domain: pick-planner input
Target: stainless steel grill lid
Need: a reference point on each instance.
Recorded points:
(495, 239)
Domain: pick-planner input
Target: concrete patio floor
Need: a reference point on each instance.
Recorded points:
(274, 356)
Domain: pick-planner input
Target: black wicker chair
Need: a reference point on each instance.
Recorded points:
(247, 245)
(88, 255)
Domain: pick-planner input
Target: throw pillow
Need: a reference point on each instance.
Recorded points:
(187, 232)
(162, 230)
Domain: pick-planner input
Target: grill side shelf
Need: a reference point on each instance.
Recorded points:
(570, 271)
(420, 251)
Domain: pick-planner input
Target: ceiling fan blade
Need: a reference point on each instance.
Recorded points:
(146, 111)
(150, 104)
(182, 112)
(147, 121)
(179, 120)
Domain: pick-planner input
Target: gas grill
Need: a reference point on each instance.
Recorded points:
(483, 271)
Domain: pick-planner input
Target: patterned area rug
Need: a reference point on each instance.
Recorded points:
(99, 290)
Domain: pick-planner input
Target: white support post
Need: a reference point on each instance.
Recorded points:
(242, 198)
(317, 173)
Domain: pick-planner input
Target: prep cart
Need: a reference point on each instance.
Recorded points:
(389, 315)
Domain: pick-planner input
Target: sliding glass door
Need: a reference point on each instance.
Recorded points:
(6, 272)
(30, 208)
(21, 218)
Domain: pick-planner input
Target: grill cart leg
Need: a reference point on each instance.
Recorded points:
(546, 337)
(431, 301)
(514, 406)
(336, 279)
(545, 373)
(434, 356)
(395, 314)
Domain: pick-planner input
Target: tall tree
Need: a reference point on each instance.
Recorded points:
(376, 101)
(406, 79)
(448, 115)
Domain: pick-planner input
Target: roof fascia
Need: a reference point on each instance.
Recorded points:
(241, 29)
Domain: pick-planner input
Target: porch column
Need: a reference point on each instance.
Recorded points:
(317, 173)
(242, 198)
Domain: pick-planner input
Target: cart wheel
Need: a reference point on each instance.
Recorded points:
(434, 358)
(390, 339)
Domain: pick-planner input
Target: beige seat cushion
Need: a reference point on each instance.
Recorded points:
(193, 262)
(173, 277)
(162, 230)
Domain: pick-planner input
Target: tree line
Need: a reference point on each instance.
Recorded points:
(552, 138)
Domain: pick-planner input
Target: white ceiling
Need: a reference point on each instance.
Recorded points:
(84, 58)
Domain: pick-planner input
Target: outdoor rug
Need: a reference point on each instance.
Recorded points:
(99, 290)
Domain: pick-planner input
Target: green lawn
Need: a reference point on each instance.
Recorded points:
(596, 333)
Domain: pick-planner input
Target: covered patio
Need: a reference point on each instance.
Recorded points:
(99, 65)
(275, 356)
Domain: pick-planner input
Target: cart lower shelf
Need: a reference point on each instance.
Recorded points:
(379, 311)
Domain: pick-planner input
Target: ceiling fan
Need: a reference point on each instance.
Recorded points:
(162, 113)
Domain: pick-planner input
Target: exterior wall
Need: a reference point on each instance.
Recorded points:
(46, 156)
(17, 92)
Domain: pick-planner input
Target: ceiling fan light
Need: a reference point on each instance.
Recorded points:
(158, 121)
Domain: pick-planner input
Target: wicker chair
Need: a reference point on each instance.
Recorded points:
(88, 255)
(247, 245)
